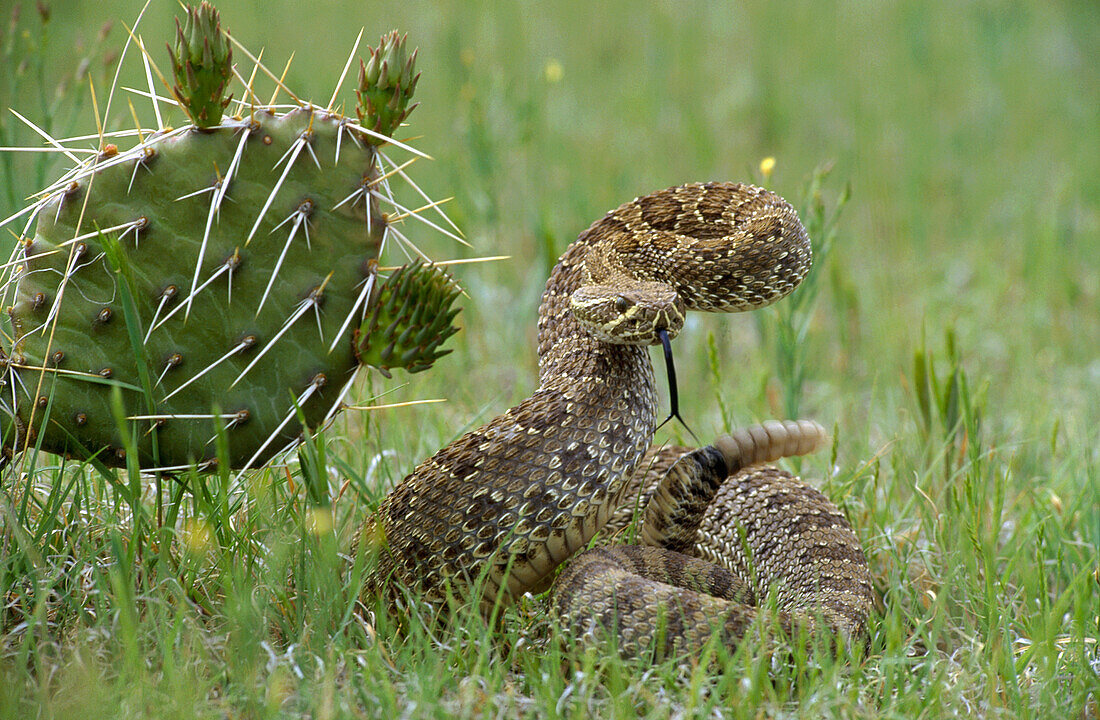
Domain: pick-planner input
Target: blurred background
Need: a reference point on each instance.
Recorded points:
(969, 135)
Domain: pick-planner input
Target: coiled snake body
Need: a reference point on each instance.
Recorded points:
(498, 510)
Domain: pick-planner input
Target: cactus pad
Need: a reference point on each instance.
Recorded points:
(215, 275)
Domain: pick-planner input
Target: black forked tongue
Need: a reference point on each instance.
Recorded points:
(673, 394)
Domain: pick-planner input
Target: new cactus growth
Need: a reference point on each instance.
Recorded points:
(220, 274)
(386, 84)
(202, 64)
(410, 320)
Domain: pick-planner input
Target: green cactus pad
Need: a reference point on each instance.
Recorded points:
(411, 318)
(242, 341)
(215, 276)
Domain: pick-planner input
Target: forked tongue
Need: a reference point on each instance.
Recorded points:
(674, 396)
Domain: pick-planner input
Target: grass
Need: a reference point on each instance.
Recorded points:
(950, 337)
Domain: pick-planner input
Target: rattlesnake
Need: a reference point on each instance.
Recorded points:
(497, 511)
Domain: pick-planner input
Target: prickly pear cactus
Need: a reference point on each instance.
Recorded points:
(223, 274)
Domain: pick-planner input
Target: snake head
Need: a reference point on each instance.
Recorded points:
(629, 312)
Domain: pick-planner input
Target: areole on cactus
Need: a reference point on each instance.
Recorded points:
(222, 274)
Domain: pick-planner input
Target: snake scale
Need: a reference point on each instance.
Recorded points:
(495, 513)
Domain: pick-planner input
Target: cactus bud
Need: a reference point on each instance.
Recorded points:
(202, 65)
(405, 329)
(386, 84)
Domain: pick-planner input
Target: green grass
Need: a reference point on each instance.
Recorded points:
(950, 337)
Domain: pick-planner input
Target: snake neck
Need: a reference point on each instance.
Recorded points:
(604, 384)
(569, 355)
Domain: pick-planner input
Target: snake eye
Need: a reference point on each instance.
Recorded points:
(622, 303)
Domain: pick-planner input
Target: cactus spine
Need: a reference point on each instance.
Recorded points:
(219, 274)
